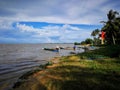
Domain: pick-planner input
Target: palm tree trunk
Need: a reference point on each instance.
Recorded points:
(113, 39)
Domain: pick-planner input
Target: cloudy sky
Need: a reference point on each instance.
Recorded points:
(52, 21)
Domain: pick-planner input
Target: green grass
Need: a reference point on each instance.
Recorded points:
(112, 51)
(93, 70)
(84, 75)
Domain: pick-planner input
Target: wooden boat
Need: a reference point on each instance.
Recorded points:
(50, 49)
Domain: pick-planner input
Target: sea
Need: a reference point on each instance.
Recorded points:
(17, 59)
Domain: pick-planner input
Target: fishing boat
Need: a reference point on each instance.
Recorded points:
(49, 49)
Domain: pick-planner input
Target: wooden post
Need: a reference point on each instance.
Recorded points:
(102, 41)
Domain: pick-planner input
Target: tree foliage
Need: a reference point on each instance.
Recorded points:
(95, 34)
(112, 28)
(87, 41)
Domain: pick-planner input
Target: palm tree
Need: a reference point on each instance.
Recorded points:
(110, 27)
(117, 22)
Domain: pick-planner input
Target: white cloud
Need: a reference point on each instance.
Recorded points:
(24, 28)
(57, 11)
(65, 33)
(44, 31)
(66, 12)
(47, 29)
(67, 26)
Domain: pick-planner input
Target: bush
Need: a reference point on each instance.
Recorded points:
(104, 51)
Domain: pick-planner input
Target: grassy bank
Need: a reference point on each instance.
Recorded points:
(94, 70)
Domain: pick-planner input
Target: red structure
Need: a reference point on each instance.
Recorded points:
(103, 35)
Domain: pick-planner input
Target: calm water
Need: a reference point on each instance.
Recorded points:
(16, 59)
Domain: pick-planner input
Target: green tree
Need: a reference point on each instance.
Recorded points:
(88, 41)
(95, 34)
(117, 23)
(76, 43)
(82, 43)
(111, 28)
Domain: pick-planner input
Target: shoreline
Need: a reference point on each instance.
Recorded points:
(84, 71)
(41, 68)
(16, 60)
(75, 72)
(49, 62)
(60, 73)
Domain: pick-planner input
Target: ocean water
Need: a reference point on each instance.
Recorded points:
(17, 59)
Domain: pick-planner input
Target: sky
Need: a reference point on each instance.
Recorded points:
(52, 21)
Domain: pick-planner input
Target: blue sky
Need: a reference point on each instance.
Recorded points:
(52, 21)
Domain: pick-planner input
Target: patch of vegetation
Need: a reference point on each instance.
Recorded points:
(45, 65)
(112, 51)
(83, 75)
